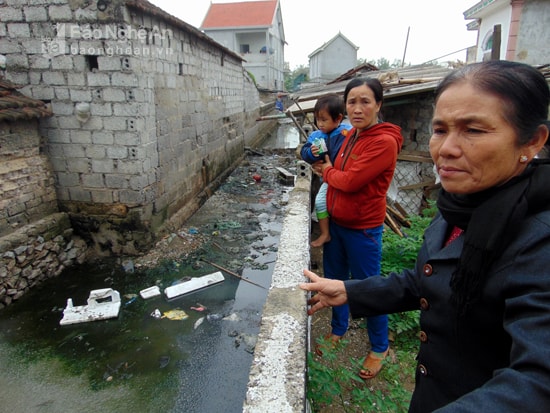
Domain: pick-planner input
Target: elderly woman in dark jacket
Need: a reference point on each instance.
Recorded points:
(482, 277)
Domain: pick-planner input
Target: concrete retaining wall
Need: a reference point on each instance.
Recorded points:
(277, 382)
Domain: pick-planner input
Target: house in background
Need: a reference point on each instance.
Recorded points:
(333, 58)
(253, 29)
(516, 30)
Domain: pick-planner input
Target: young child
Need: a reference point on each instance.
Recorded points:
(329, 114)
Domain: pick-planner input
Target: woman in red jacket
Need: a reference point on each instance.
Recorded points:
(356, 201)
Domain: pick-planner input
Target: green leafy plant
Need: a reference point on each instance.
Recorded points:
(399, 253)
(328, 380)
(333, 383)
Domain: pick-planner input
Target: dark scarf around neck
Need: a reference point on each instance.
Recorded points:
(490, 220)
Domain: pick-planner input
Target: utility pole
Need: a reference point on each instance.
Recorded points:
(406, 43)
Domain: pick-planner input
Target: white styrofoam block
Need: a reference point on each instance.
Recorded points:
(150, 292)
(193, 284)
(102, 304)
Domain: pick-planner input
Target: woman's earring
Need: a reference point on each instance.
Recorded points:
(523, 158)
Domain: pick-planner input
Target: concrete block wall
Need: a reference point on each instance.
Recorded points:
(147, 112)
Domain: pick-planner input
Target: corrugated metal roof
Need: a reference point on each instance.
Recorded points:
(241, 14)
(396, 81)
(14, 106)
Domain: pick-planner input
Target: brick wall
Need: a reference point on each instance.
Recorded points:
(169, 111)
(27, 191)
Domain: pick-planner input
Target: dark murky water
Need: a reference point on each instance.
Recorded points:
(138, 363)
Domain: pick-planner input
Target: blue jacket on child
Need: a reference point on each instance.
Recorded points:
(333, 140)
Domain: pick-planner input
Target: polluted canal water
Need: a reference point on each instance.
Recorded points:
(192, 353)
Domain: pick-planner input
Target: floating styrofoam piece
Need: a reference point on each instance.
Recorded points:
(193, 284)
(150, 292)
(102, 304)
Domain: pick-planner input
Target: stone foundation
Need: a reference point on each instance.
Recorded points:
(36, 252)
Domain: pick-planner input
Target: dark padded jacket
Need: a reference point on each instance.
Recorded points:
(497, 359)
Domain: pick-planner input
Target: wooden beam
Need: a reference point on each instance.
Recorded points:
(302, 132)
(403, 156)
(417, 185)
(391, 223)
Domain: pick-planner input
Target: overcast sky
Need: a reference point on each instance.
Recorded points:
(378, 28)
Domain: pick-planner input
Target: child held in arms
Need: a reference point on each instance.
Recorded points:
(329, 113)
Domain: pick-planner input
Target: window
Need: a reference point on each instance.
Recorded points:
(245, 48)
(487, 46)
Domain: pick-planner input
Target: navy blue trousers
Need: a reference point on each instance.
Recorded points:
(356, 254)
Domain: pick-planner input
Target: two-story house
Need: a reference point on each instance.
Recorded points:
(517, 30)
(333, 58)
(254, 29)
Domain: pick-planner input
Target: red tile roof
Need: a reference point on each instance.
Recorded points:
(14, 106)
(242, 14)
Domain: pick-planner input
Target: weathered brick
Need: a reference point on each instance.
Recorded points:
(35, 14)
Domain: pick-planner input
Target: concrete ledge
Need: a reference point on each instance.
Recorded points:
(277, 382)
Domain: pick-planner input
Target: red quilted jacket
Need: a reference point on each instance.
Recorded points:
(361, 175)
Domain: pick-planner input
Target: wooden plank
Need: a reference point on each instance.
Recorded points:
(391, 223)
(306, 117)
(285, 175)
(418, 185)
(398, 216)
(414, 158)
(302, 132)
(398, 206)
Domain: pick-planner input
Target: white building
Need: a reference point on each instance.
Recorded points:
(253, 29)
(517, 30)
(333, 58)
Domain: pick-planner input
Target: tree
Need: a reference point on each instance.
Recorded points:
(382, 63)
(295, 78)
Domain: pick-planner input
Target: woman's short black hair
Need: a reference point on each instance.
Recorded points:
(522, 88)
(372, 83)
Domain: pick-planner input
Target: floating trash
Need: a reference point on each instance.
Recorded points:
(156, 313)
(199, 307)
(150, 292)
(175, 315)
(214, 317)
(232, 317)
(101, 305)
(198, 323)
(193, 284)
(164, 361)
(131, 300)
(128, 266)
